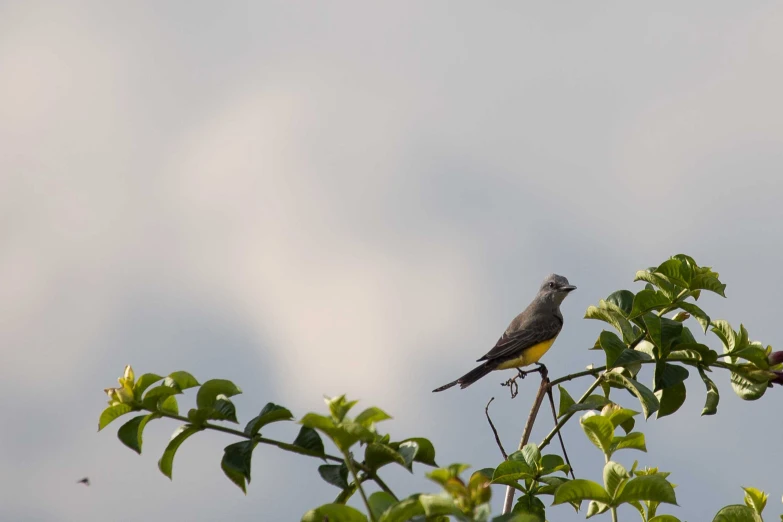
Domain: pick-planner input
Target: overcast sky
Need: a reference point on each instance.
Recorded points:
(352, 197)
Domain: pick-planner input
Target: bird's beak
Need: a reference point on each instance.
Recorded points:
(567, 288)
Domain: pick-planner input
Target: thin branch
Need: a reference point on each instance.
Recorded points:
(349, 463)
(559, 434)
(531, 419)
(369, 474)
(567, 416)
(497, 438)
(592, 371)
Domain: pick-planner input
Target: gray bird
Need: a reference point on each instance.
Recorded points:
(529, 335)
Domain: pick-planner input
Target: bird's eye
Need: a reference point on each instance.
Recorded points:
(551, 284)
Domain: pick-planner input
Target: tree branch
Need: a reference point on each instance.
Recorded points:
(559, 435)
(531, 419)
(497, 438)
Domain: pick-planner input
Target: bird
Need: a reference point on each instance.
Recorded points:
(529, 335)
(85, 481)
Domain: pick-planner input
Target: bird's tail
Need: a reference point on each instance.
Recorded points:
(469, 378)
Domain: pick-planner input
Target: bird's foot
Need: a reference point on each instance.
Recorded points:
(521, 374)
(512, 384)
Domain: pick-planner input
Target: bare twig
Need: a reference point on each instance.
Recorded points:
(559, 435)
(531, 419)
(497, 438)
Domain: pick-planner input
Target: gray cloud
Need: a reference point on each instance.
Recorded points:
(257, 191)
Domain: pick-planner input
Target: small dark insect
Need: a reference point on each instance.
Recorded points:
(85, 481)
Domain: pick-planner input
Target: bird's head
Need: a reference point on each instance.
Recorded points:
(555, 288)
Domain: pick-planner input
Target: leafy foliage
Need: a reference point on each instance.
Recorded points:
(650, 329)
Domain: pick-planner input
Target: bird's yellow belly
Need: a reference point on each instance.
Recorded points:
(529, 356)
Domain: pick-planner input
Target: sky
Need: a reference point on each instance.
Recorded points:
(322, 198)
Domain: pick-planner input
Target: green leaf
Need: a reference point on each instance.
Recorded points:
(692, 352)
(344, 434)
(713, 397)
(130, 433)
(269, 414)
(618, 415)
(612, 346)
(599, 430)
(593, 402)
(156, 395)
(631, 441)
(754, 353)
(697, 313)
(377, 455)
(334, 513)
(209, 391)
(551, 484)
(622, 300)
(379, 502)
(612, 317)
(628, 357)
(735, 513)
(442, 475)
(236, 462)
(334, 474)
(755, 499)
(223, 409)
(638, 505)
(180, 435)
(144, 382)
(708, 282)
(403, 511)
(725, 333)
(182, 380)
(531, 455)
(510, 471)
(439, 505)
(111, 413)
(627, 426)
(579, 490)
(664, 518)
(596, 508)
(663, 333)
(615, 476)
(407, 451)
(339, 407)
(647, 399)
(647, 301)
(666, 288)
(675, 272)
(647, 488)
(550, 463)
(668, 375)
(370, 416)
(670, 399)
(747, 386)
(566, 401)
(532, 507)
(169, 405)
(425, 452)
(308, 439)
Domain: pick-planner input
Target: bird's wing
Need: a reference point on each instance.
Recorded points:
(516, 342)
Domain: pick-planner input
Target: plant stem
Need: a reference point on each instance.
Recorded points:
(566, 417)
(261, 440)
(614, 514)
(369, 474)
(349, 465)
(528, 429)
